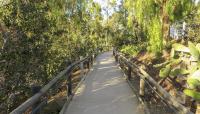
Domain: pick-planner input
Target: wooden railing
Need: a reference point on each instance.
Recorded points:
(32, 103)
(145, 80)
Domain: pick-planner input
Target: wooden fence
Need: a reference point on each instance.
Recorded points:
(145, 80)
(38, 100)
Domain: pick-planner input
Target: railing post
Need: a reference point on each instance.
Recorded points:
(36, 89)
(142, 87)
(129, 72)
(69, 85)
(81, 66)
(116, 57)
(92, 59)
(88, 63)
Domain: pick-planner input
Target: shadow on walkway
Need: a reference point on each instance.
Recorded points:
(105, 91)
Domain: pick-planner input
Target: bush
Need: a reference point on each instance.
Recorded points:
(131, 50)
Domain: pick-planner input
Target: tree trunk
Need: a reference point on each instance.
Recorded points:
(165, 23)
(165, 28)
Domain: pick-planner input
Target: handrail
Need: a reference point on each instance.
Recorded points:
(146, 77)
(35, 98)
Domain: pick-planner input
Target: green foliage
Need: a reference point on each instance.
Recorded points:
(155, 36)
(198, 47)
(40, 38)
(192, 93)
(193, 83)
(154, 17)
(193, 73)
(194, 51)
(178, 71)
(164, 72)
(130, 50)
(180, 47)
(124, 27)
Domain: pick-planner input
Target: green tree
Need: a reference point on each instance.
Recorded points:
(39, 38)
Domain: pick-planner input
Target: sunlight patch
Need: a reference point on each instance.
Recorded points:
(106, 62)
(111, 82)
(80, 89)
(106, 67)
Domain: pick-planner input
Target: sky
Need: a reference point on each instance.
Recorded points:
(106, 7)
(104, 2)
(196, 1)
(101, 2)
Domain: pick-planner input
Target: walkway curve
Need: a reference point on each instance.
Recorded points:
(105, 91)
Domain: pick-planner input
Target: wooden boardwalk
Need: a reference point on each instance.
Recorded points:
(104, 91)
